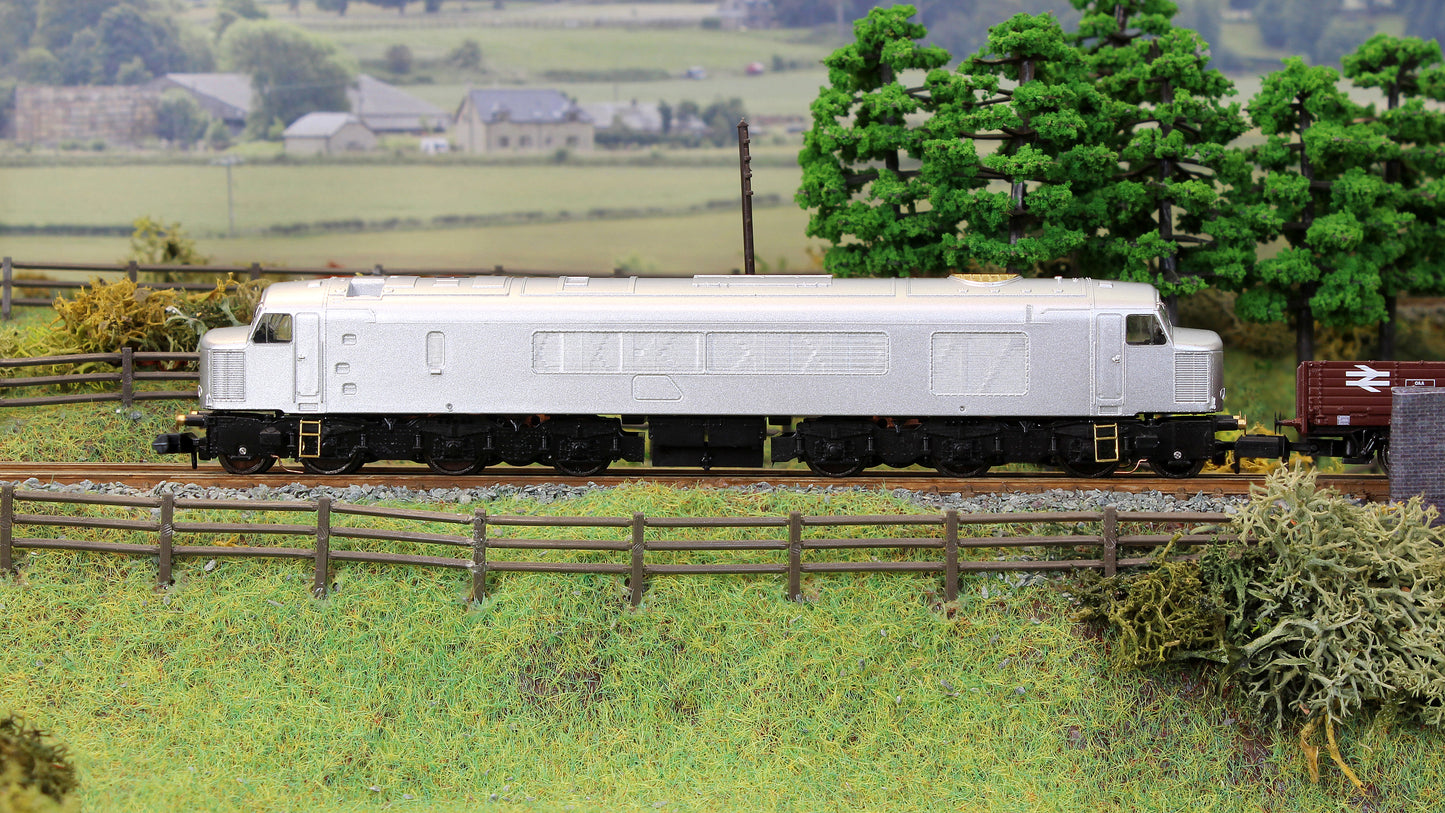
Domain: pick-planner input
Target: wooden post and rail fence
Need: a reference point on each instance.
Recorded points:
(488, 544)
(11, 286)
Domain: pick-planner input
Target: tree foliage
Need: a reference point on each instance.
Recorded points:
(1410, 72)
(867, 204)
(1161, 217)
(1026, 90)
(180, 119)
(292, 72)
(1319, 193)
(99, 41)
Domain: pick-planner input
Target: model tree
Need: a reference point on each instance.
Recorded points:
(1409, 71)
(1027, 90)
(1337, 217)
(865, 201)
(1163, 216)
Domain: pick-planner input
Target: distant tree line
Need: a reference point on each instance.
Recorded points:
(1110, 150)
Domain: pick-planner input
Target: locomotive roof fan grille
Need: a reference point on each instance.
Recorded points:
(985, 279)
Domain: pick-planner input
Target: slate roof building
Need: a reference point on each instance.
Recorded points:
(521, 121)
(387, 109)
(328, 134)
(383, 108)
(224, 96)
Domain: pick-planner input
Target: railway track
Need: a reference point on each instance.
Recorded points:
(145, 475)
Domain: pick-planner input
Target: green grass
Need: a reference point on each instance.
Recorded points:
(235, 690)
(280, 194)
(686, 244)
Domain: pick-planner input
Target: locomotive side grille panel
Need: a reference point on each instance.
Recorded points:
(1191, 378)
(226, 374)
(979, 364)
(616, 352)
(780, 353)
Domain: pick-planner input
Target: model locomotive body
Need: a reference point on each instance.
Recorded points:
(959, 373)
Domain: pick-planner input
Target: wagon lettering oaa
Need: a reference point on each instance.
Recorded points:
(960, 374)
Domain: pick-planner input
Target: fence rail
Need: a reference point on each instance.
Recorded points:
(127, 377)
(10, 286)
(481, 541)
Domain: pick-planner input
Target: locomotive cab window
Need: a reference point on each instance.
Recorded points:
(273, 328)
(1144, 329)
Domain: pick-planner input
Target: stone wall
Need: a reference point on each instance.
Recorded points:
(115, 115)
(1417, 444)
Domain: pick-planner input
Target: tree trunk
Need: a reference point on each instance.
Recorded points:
(1304, 332)
(1386, 350)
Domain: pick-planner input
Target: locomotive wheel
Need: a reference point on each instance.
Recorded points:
(963, 470)
(1088, 468)
(246, 465)
(331, 465)
(456, 468)
(580, 468)
(844, 469)
(1178, 469)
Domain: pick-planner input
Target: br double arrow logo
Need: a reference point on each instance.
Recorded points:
(1367, 378)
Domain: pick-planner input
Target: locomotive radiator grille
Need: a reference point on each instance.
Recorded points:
(226, 375)
(1191, 378)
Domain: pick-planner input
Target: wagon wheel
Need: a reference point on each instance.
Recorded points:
(1088, 468)
(950, 468)
(459, 468)
(332, 465)
(236, 464)
(1180, 469)
(1382, 456)
(839, 469)
(580, 468)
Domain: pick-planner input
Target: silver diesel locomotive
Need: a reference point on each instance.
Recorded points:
(959, 374)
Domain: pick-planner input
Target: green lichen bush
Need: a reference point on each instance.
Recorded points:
(36, 776)
(1333, 607)
(1319, 606)
(108, 316)
(1161, 614)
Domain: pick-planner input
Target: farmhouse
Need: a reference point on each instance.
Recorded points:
(328, 134)
(521, 121)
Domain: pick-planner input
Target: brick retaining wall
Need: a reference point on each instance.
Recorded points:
(1417, 444)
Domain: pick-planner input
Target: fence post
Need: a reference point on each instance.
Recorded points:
(479, 555)
(127, 376)
(9, 275)
(7, 528)
(168, 530)
(323, 546)
(795, 556)
(950, 555)
(1111, 540)
(639, 570)
(132, 272)
(255, 271)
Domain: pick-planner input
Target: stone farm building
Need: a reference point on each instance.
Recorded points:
(126, 115)
(328, 134)
(521, 121)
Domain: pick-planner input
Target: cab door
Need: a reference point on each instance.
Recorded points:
(1109, 363)
(308, 356)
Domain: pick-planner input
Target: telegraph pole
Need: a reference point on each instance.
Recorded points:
(745, 169)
